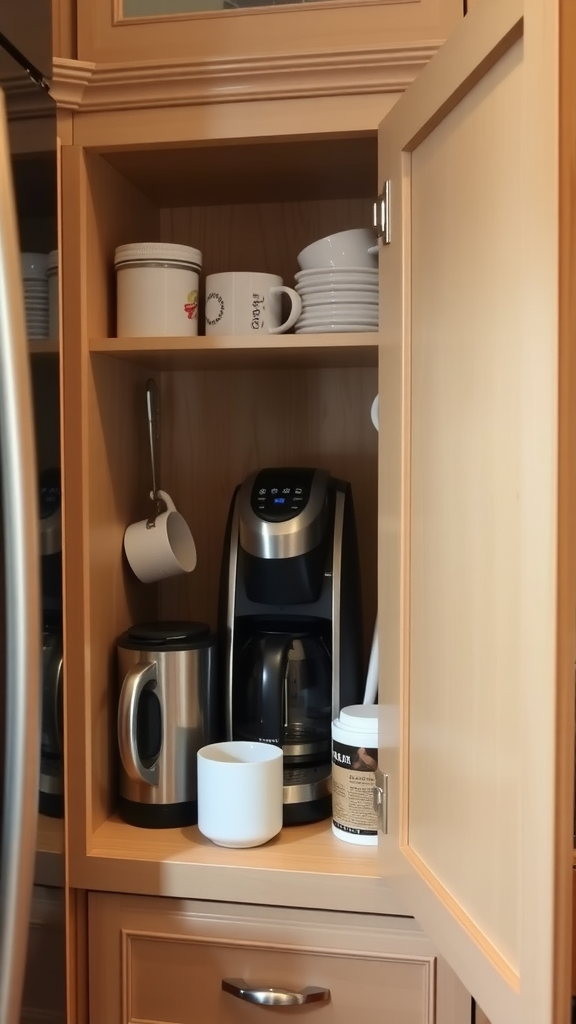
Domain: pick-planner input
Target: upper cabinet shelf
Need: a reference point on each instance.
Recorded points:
(312, 351)
(264, 171)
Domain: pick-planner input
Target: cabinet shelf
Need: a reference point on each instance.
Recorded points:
(240, 352)
(43, 348)
(304, 865)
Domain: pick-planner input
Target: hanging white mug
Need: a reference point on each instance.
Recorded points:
(162, 546)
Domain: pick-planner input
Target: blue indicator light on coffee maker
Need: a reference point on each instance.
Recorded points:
(279, 501)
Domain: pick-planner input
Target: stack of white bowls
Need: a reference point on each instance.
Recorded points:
(338, 283)
(35, 281)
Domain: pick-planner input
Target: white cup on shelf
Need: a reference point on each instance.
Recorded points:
(240, 792)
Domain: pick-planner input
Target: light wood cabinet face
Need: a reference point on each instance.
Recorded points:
(114, 31)
(164, 960)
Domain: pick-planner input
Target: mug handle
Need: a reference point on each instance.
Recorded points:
(134, 682)
(170, 506)
(294, 312)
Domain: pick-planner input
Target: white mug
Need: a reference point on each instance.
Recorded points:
(240, 792)
(161, 546)
(241, 302)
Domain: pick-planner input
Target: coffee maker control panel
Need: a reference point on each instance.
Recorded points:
(281, 494)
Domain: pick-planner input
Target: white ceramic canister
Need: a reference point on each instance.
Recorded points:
(157, 289)
(53, 300)
(354, 763)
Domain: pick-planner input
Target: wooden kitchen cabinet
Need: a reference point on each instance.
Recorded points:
(476, 377)
(164, 960)
(228, 406)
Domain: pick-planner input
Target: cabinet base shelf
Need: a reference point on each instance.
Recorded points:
(304, 866)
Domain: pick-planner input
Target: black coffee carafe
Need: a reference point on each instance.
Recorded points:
(285, 698)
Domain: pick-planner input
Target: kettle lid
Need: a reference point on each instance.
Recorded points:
(166, 633)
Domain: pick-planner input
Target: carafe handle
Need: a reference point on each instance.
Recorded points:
(134, 682)
(274, 650)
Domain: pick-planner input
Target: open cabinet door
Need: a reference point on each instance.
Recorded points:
(477, 513)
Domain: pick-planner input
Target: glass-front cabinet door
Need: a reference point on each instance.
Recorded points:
(25, 72)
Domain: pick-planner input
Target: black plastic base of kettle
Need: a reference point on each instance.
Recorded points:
(158, 815)
(306, 813)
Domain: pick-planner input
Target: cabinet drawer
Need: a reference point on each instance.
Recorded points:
(164, 960)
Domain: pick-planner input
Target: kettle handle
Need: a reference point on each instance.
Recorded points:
(134, 682)
(274, 657)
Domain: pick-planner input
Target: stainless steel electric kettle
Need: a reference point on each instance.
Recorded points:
(167, 710)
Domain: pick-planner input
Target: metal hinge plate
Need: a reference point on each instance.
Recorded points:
(382, 214)
(380, 797)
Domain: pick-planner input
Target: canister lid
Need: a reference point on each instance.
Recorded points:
(158, 252)
(359, 717)
(52, 261)
(171, 635)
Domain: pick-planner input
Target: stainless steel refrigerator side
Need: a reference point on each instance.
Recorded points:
(23, 619)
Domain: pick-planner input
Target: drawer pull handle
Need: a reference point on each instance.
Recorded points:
(274, 996)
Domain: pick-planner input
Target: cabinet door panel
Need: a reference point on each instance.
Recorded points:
(473, 664)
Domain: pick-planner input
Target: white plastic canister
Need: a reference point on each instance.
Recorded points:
(157, 289)
(53, 300)
(354, 763)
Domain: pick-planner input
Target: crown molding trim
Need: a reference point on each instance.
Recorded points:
(89, 87)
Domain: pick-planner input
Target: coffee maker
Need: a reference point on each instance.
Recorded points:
(291, 623)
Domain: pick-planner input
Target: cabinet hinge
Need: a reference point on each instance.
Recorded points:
(382, 214)
(380, 798)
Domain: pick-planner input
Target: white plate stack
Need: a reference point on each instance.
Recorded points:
(35, 281)
(341, 299)
(338, 283)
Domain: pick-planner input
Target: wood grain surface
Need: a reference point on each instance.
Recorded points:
(218, 427)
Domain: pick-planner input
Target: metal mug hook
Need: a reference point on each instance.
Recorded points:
(153, 413)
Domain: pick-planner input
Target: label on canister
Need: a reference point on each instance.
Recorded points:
(353, 780)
